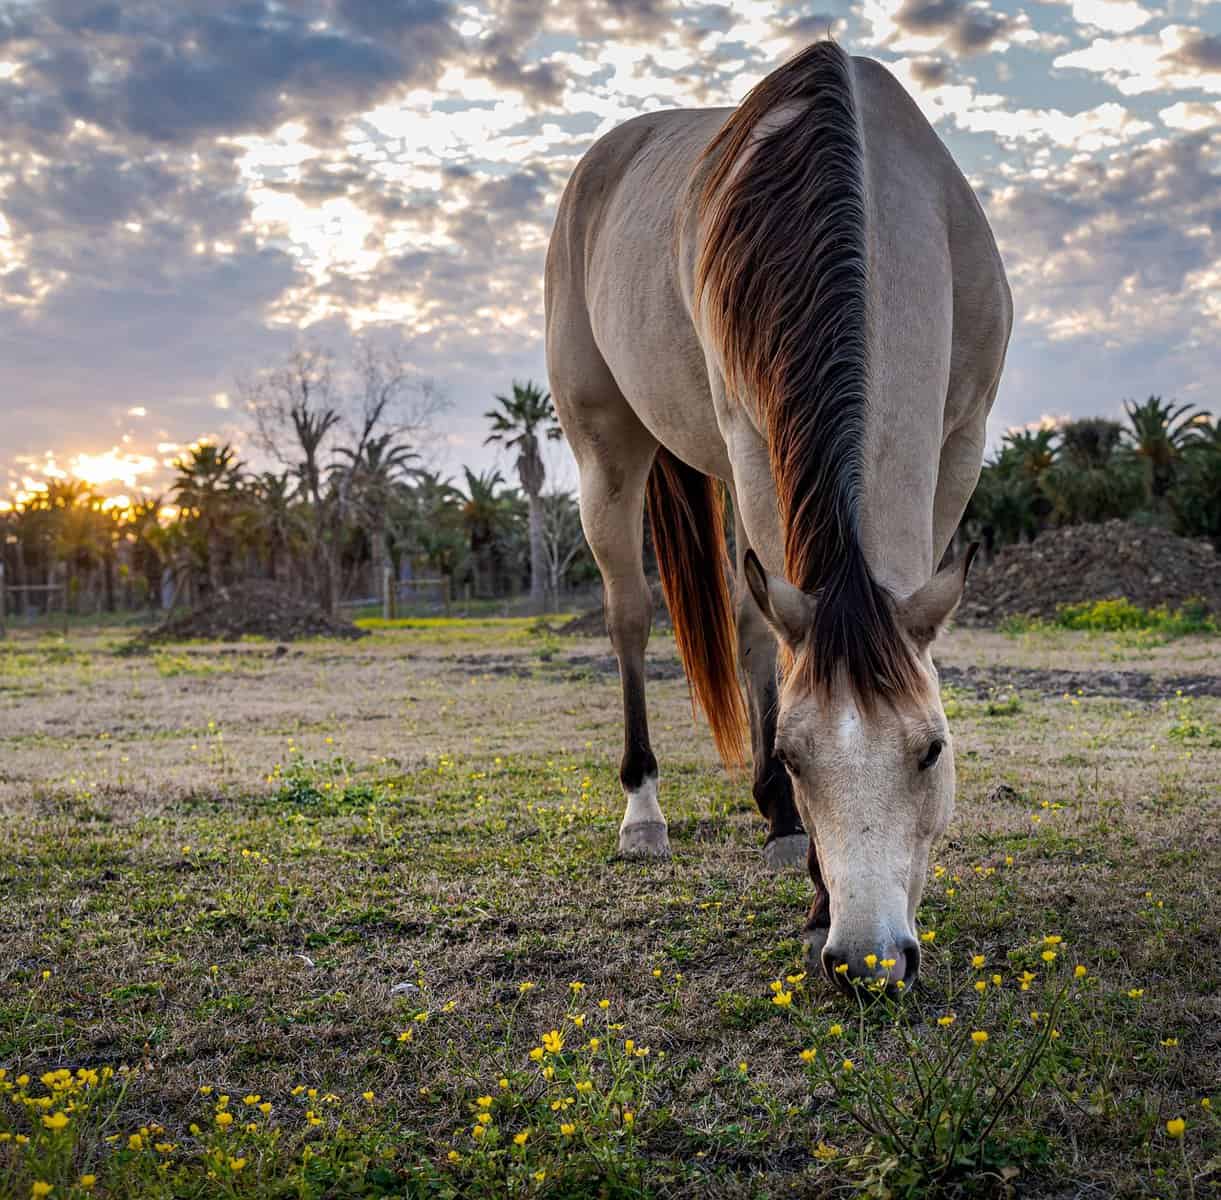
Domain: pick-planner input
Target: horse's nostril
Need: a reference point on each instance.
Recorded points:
(835, 966)
(911, 963)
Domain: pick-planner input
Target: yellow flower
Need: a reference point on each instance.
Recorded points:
(87, 1181)
(223, 1119)
(1052, 939)
(265, 1107)
(576, 985)
(742, 1067)
(871, 961)
(1079, 971)
(1165, 1042)
(236, 1164)
(519, 1139)
(483, 1117)
(1135, 993)
(996, 981)
(568, 1129)
(136, 1142)
(842, 969)
(205, 1089)
(552, 1042)
(887, 963)
(484, 1102)
(368, 1097)
(979, 1036)
(1049, 956)
(825, 1152)
(539, 1176)
(1176, 1127)
(836, 1030)
(629, 1045)
(251, 1101)
(477, 1132)
(594, 1043)
(656, 972)
(504, 1085)
(929, 935)
(808, 1055)
(981, 986)
(548, 1072)
(947, 1020)
(56, 1121)
(783, 999)
(629, 1118)
(40, 1189)
(1206, 1104)
(578, 1020)
(977, 961)
(536, 1053)
(848, 1066)
(525, 987)
(604, 1004)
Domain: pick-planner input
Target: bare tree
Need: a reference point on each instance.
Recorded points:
(562, 537)
(319, 421)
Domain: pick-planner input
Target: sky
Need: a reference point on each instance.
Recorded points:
(190, 189)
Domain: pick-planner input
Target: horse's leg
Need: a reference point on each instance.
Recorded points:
(787, 841)
(612, 515)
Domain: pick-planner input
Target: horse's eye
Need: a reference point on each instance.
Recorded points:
(786, 762)
(932, 754)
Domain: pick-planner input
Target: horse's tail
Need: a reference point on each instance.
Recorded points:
(686, 517)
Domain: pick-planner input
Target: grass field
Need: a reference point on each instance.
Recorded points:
(346, 920)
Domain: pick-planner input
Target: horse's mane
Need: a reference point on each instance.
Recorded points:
(782, 284)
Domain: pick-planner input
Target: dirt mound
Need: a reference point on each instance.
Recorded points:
(253, 609)
(1080, 563)
(593, 623)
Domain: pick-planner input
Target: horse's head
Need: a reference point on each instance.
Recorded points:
(874, 782)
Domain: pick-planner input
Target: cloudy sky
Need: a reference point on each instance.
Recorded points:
(190, 188)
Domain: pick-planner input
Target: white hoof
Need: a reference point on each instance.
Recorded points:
(644, 839)
(787, 853)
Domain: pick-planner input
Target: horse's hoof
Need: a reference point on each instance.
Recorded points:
(813, 941)
(787, 853)
(644, 839)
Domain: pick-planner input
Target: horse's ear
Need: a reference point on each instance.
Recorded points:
(787, 609)
(925, 612)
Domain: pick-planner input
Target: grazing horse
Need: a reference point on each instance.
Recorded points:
(799, 302)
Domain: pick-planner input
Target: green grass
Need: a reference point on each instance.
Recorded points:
(336, 903)
(1122, 616)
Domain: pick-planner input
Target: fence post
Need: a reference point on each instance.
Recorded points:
(387, 594)
(445, 593)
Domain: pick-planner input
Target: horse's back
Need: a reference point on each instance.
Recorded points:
(614, 287)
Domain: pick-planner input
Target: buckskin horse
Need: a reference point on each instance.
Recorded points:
(798, 301)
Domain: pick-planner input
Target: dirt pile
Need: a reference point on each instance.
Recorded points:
(254, 609)
(593, 623)
(1080, 563)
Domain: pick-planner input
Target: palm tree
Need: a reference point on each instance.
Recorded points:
(483, 514)
(522, 419)
(205, 489)
(1157, 436)
(274, 523)
(1195, 498)
(373, 476)
(428, 521)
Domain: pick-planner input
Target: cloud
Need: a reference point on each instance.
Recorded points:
(960, 27)
(1177, 58)
(1114, 16)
